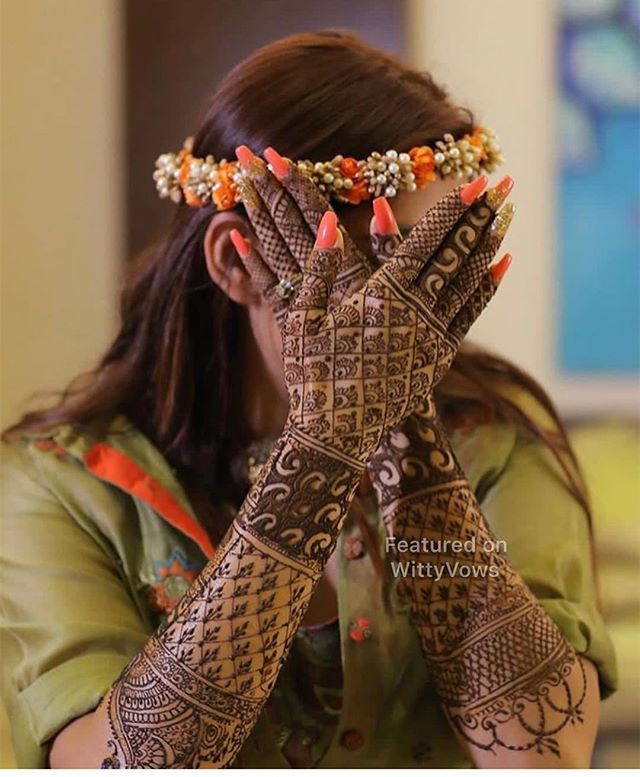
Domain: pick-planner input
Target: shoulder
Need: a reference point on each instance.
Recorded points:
(33, 452)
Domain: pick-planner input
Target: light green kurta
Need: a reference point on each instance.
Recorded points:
(86, 565)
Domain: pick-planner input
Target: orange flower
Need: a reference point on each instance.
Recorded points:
(475, 141)
(423, 165)
(183, 175)
(224, 195)
(349, 167)
(357, 193)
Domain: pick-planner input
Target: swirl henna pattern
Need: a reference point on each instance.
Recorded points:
(506, 675)
(191, 697)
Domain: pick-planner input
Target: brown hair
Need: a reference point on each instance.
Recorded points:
(174, 363)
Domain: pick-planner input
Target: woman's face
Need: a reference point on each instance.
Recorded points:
(408, 207)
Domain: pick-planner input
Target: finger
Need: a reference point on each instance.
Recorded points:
(320, 270)
(312, 204)
(464, 284)
(417, 250)
(276, 293)
(383, 230)
(253, 262)
(481, 297)
(274, 249)
(283, 209)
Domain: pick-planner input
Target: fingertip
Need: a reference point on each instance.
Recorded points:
(240, 243)
(384, 221)
(245, 155)
(328, 233)
(472, 190)
(278, 163)
(498, 270)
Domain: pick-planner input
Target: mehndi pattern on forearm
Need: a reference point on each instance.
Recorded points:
(506, 675)
(195, 692)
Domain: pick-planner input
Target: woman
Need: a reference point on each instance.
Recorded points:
(273, 430)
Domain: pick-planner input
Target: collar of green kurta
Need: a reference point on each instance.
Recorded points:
(118, 453)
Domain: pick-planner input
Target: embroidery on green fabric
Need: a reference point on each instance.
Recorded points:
(174, 577)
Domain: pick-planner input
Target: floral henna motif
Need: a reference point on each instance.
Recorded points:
(505, 674)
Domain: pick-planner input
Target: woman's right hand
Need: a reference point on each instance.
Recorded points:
(355, 371)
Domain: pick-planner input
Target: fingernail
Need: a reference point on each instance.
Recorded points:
(384, 220)
(245, 155)
(278, 163)
(241, 245)
(499, 193)
(327, 231)
(503, 219)
(498, 270)
(472, 190)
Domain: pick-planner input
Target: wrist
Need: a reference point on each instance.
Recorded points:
(301, 497)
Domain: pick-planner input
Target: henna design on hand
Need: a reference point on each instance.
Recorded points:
(191, 697)
(285, 215)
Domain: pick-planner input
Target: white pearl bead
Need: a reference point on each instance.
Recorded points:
(410, 176)
(392, 154)
(381, 166)
(454, 152)
(327, 178)
(348, 183)
(404, 157)
(394, 167)
(337, 182)
(439, 157)
(411, 186)
(446, 169)
(318, 166)
(390, 191)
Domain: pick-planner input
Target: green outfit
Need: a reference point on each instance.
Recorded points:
(98, 541)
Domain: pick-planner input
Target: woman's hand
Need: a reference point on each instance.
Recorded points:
(355, 370)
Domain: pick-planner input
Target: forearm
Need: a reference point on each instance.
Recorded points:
(191, 697)
(512, 686)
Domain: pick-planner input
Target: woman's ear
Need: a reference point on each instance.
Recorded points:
(223, 263)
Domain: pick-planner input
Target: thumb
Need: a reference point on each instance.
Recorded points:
(383, 230)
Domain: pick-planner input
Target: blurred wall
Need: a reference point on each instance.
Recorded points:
(497, 57)
(61, 169)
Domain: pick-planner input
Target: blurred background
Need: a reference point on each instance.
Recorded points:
(92, 91)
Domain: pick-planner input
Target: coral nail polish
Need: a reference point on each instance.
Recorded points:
(327, 231)
(245, 155)
(384, 220)
(278, 163)
(499, 193)
(473, 189)
(241, 245)
(498, 270)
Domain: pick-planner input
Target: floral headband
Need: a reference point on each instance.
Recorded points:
(345, 179)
